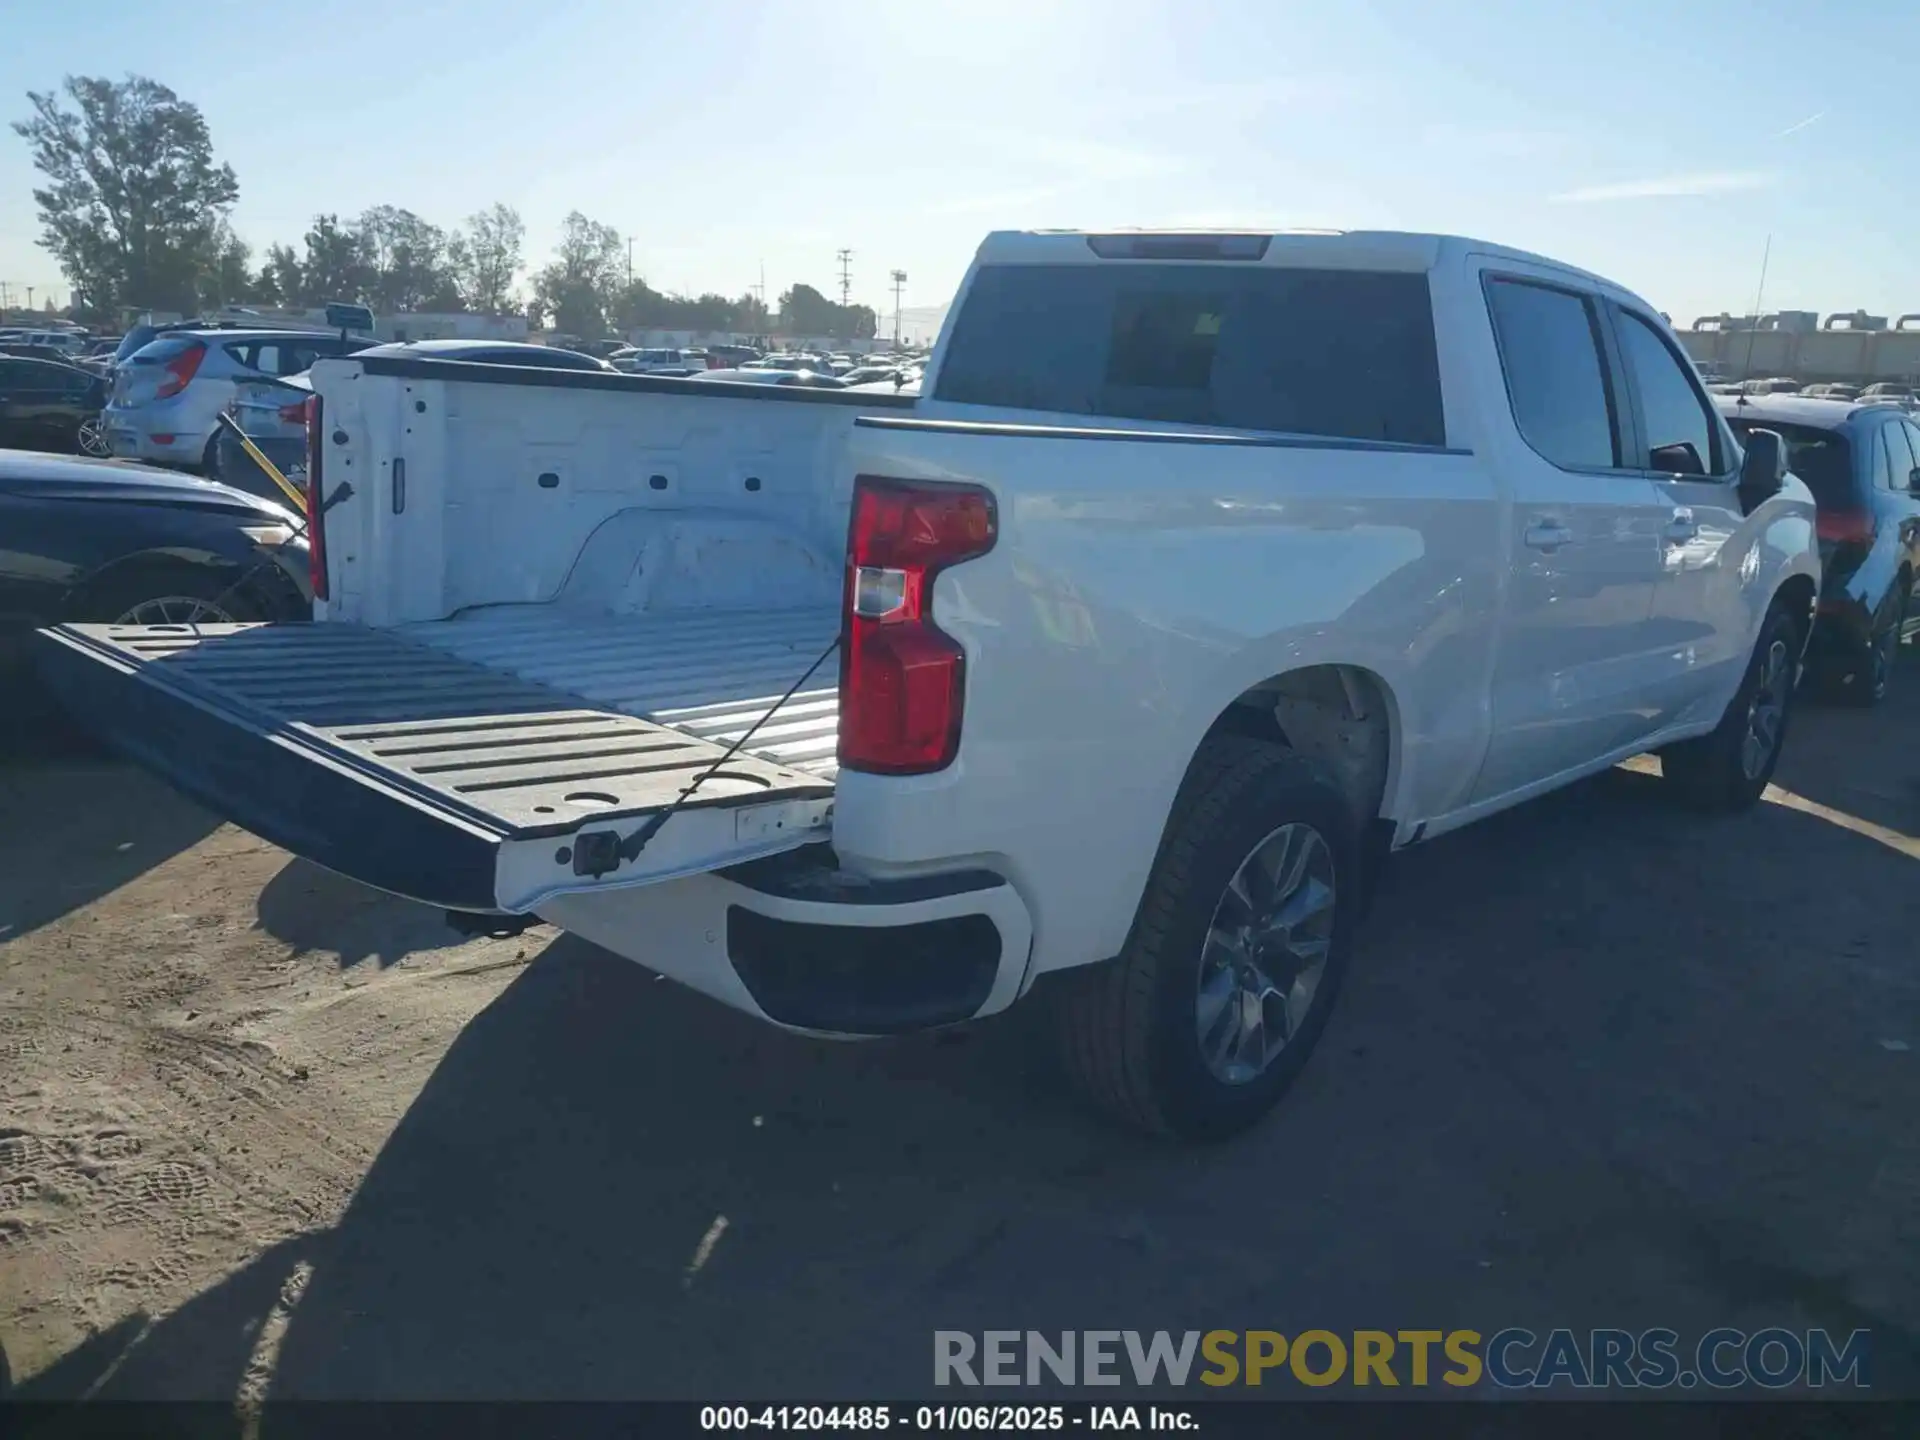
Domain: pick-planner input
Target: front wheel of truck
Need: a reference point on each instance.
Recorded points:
(1728, 768)
(1236, 955)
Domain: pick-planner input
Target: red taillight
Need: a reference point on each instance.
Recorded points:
(294, 414)
(902, 679)
(316, 514)
(1845, 526)
(180, 371)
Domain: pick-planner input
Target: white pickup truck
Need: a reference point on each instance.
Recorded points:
(1206, 570)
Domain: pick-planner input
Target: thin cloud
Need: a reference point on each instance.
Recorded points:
(1801, 126)
(1721, 182)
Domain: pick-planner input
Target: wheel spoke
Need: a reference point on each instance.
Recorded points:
(1309, 902)
(1251, 1052)
(1216, 994)
(1241, 897)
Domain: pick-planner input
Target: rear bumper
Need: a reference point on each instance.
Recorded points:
(131, 433)
(797, 942)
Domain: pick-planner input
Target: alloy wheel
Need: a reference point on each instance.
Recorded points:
(1265, 953)
(176, 610)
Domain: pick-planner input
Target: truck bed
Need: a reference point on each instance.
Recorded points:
(445, 740)
(710, 674)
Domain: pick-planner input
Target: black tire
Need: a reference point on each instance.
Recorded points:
(1711, 773)
(1128, 1028)
(1867, 681)
(210, 457)
(124, 592)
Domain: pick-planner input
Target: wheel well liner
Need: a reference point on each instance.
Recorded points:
(1342, 716)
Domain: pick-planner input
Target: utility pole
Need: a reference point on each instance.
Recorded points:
(29, 297)
(629, 262)
(899, 280)
(845, 258)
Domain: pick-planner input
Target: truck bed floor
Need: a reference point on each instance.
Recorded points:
(709, 673)
(514, 754)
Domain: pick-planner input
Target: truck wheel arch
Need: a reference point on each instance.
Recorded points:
(1796, 595)
(1343, 717)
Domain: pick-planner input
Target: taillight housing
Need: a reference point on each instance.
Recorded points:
(294, 414)
(902, 679)
(1845, 527)
(180, 370)
(316, 505)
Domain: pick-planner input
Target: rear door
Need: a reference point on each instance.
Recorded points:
(1906, 503)
(40, 407)
(1710, 599)
(1577, 656)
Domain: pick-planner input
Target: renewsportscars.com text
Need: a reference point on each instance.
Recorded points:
(1512, 1358)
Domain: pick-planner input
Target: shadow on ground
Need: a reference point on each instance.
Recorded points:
(76, 828)
(1600, 1064)
(311, 908)
(1823, 757)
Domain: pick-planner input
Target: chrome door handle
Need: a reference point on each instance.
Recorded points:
(1547, 535)
(1682, 527)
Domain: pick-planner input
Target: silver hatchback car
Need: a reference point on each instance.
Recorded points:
(167, 397)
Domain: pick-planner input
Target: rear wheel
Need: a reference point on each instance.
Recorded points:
(1236, 956)
(1869, 680)
(210, 457)
(167, 594)
(1729, 768)
(91, 438)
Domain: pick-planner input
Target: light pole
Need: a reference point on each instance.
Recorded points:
(899, 280)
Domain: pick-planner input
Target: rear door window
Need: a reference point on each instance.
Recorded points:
(1341, 353)
(1912, 433)
(1556, 373)
(1900, 457)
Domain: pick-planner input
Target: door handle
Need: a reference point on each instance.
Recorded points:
(1547, 535)
(1682, 527)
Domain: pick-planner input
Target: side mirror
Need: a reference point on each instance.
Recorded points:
(1763, 469)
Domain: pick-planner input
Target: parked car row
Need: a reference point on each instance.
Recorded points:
(50, 405)
(1879, 393)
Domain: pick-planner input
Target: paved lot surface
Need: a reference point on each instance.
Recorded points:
(1600, 1063)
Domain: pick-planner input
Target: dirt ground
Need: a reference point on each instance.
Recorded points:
(265, 1132)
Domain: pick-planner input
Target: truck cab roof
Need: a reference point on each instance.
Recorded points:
(1401, 250)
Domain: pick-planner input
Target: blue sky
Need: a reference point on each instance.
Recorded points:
(1656, 142)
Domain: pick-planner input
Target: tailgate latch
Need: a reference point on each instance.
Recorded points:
(596, 853)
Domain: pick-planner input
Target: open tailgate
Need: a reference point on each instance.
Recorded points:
(413, 770)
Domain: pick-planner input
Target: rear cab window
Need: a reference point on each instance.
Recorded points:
(166, 348)
(1345, 354)
(1823, 459)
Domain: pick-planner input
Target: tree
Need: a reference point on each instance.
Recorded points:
(133, 198)
(229, 281)
(805, 311)
(407, 260)
(335, 267)
(280, 281)
(580, 287)
(493, 239)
